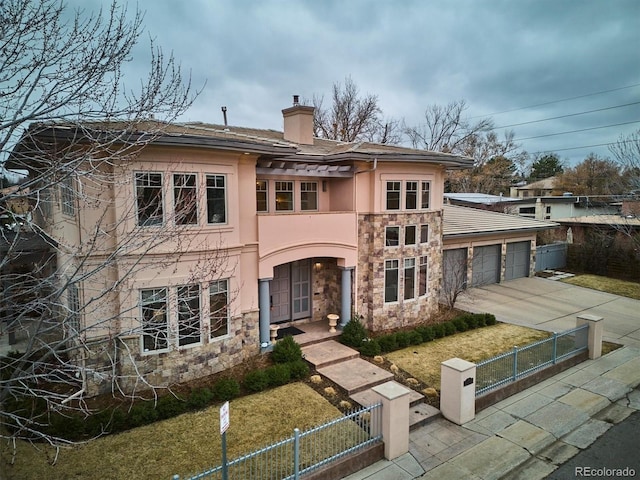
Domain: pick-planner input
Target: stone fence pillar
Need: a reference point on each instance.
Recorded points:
(395, 418)
(458, 390)
(596, 331)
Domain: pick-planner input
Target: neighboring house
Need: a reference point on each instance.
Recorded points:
(540, 188)
(260, 227)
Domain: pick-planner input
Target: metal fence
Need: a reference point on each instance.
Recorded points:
(509, 367)
(305, 451)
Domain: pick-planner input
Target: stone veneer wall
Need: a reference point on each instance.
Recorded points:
(372, 254)
(326, 285)
(136, 372)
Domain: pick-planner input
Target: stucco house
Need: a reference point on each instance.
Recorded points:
(219, 232)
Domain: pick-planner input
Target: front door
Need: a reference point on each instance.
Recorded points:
(291, 291)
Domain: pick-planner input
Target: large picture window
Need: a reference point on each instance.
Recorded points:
(390, 281)
(219, 308)
(309, 196)
(185, 198)
(189, 326)
(393, 195)
(284, 196)
(409, 277)
(216, 199)
(149, 199)
(155, 325)
(262, 196)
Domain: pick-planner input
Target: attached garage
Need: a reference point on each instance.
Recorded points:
(517, 260)
(486, 265)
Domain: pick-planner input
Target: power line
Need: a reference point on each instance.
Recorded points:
(575, 131)
(568, 115)
(557, 101)
(578, 148)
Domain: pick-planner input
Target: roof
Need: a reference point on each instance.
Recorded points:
(617, 220)
(544, 184)
(465, 221)
(270, 143)
(480, 198)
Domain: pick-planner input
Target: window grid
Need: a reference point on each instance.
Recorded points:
(219, 308)
(185, 198)
(284, 196)
(393, 195)
(390, 281)
(411, 195)
(262, 196)
(425, 195)
(216, 199)
(392, 236)
(155, 326)
(189, 323)
(149, 199)
(67, 195)
(309, 196)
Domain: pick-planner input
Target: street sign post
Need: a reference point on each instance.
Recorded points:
(224, 425)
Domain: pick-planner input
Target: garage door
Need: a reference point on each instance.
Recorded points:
(517, 261)
(486, 265)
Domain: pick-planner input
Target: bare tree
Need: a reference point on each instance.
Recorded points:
(62, 272)
(352, 117)
(454, 277)
(626, 151)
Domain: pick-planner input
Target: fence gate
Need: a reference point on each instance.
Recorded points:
(551, 256)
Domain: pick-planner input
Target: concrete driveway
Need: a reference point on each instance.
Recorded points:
(553, 306)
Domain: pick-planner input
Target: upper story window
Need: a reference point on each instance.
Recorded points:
(216, 199)
(425, 195)
(392, 236)
(218, 307)
(149, 199)
(410, 235)
(424, 233)
(393, 196)
(309, 196)
(155, 325)
(185, 198)
(284, 196)
(67, 195)
(262, 196)
(411, 195)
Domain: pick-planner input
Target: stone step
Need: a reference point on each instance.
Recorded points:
(422, 414)
(328, 353)
(369, 397)
(355, 375)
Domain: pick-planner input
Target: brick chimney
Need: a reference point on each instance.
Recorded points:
(298, 123)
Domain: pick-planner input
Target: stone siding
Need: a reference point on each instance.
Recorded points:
(326, 289)
(372, 253)
(134, 372)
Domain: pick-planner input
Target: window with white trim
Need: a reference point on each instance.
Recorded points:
(185, 198)
(391, 281)
(189, 322)
(67, 195)
(262, 196)
(422, 276)
(73, 317)
(216, 199)
(424, 233)
(393, 195)
(309, 196)
(409, 277)
(391, 236)
(155, 321)
(284, 196)
(219, 308)
(425, 195)
(410, 234)
(411, 195)
(149, 199)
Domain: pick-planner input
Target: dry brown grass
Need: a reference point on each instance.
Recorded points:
(606, 284)
(186, 444)
(423, 361)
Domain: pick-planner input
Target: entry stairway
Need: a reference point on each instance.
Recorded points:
(344, 367)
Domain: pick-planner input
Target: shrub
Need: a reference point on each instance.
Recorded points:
(256, 381)
(170, 406)
(142, 414)
(449, 328)
(490, 319)
(286, 350)
(353, 333)
(199, 398)
(225, 389)
(370, 348)
(471, 321)
(459, 324)
(426, 333)
(299, 369)
(70, 427)
(388, 343)
(438, 330)
(415, 338)
(403, 339)
(481, 319)
(278, 374)
(109, 420)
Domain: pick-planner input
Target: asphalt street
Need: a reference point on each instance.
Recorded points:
(608, 457)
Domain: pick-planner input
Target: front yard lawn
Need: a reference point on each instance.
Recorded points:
(606, 284)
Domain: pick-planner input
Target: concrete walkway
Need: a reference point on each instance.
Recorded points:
(553, 306)
(528, 435)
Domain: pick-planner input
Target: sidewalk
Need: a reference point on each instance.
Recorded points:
(527, 435)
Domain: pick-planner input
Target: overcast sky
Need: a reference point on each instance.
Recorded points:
(530, 58)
